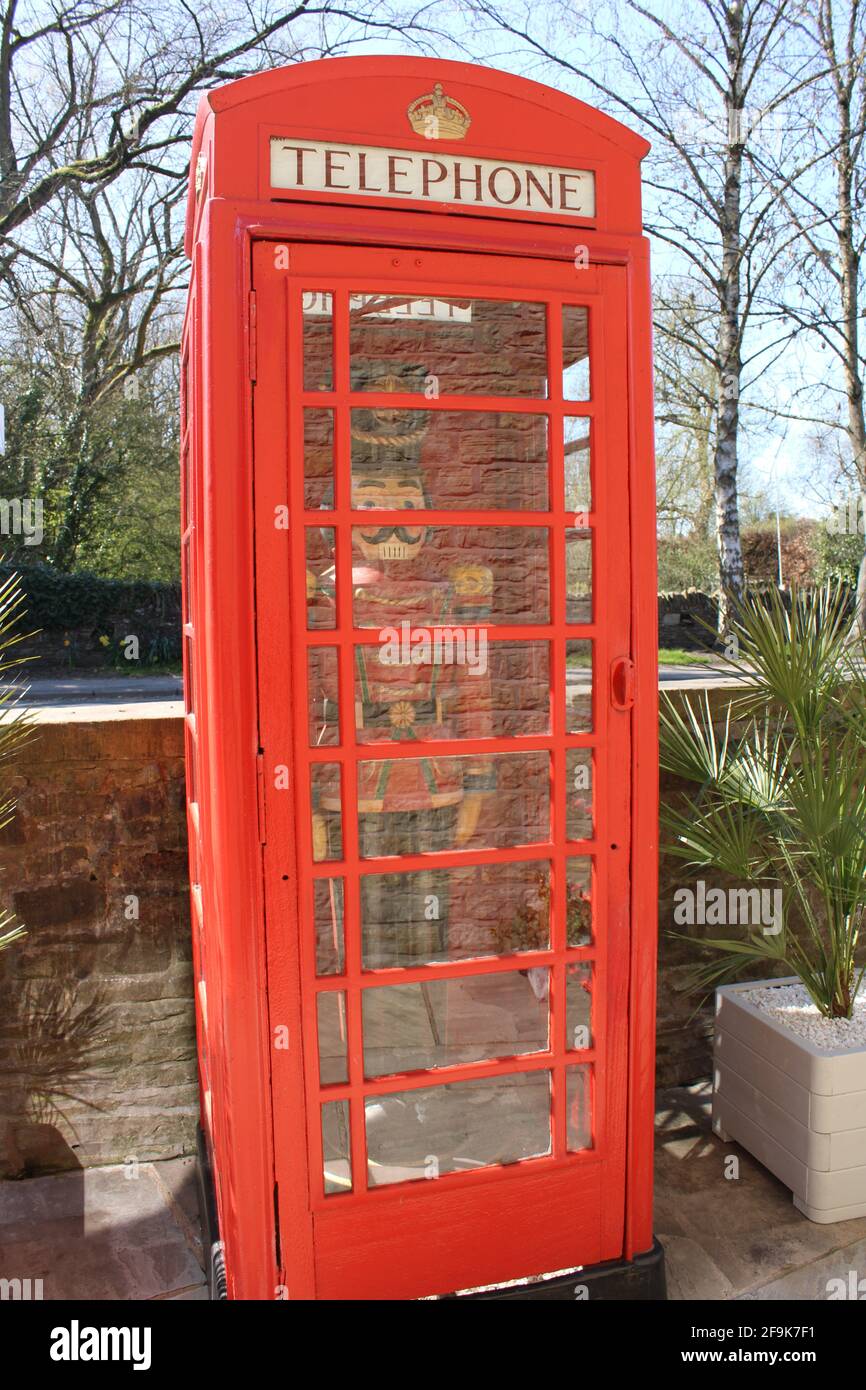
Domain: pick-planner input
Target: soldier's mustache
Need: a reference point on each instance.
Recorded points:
(386, 532)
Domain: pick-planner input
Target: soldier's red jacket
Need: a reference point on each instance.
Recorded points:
(426, 679)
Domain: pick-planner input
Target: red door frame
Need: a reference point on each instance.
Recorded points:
(584, 1216)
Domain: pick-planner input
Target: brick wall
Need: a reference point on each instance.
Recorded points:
(97, 1049)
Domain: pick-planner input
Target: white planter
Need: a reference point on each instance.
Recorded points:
(800, 1109)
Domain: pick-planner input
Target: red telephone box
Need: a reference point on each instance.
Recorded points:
(421, 749)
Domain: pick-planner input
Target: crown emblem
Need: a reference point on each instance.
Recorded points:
(438, 117)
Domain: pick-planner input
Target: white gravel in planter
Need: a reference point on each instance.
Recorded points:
(791, 1006)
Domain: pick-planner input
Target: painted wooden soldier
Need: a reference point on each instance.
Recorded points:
(426, 679)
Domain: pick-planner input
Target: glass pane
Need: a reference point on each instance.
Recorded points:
(318, 321)
(578, 687)
(448, 683)
(454, 914)
(578, 1100)
(579, 818)
(471, 460)
(424, 805)
(322, 692)
(575, 353)
(448, 1129)
(321, 605)
(328, 900)
(448, 574)
(331, 1022)
(318, 458)
(442, 1023)
(467, 346)
(578, 481)
(578, 884)
(327, 827)
(578, 1005)
(336, 1147)
(578, 576)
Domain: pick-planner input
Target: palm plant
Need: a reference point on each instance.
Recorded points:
(16, 727)
(781, 797)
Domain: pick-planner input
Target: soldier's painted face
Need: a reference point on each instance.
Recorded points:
(388, 492)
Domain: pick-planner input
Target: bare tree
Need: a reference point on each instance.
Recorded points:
(95, 297)
(823, 292)
(704, 82)
(96, 105)
(686, 409)
(89, 88)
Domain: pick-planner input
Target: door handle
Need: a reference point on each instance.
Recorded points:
(622, 683)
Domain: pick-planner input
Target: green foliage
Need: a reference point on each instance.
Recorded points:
(839, 546)
(57, 600)
(687, 562)
(107, 472)
(781, 794)
(16, 728)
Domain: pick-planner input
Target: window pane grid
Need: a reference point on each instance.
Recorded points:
(342, 639)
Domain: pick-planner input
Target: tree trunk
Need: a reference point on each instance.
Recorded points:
(725, 459)
(849, 287)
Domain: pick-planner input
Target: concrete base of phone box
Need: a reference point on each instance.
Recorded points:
(628, 1280)
(799, 1109)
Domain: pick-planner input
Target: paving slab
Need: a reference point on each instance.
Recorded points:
(839, 1276)
(101, 1233)
(713, 1197)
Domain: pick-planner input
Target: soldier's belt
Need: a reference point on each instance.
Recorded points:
(399, 715)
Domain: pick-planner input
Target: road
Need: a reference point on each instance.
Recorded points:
(100, 689)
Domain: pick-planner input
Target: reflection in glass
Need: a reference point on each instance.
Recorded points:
(472, 460)
(433, 683)
(575, 353)
(336, 1147)
(425, 805)
(454, 914)
(327, 827)
(442, 1023)
(467, 346)
(321, 604)
(331, 1025)
(450, 574)
(578, 486)
(578, 1005)
(578, 687)
(328, 909)
(447, 1129)
(578, 886)
(579, 818)
(578, 576)
(318, 330)
(322, 691)
(578, 1101)
(318, 459)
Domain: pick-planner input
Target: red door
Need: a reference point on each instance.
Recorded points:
(441, 448)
